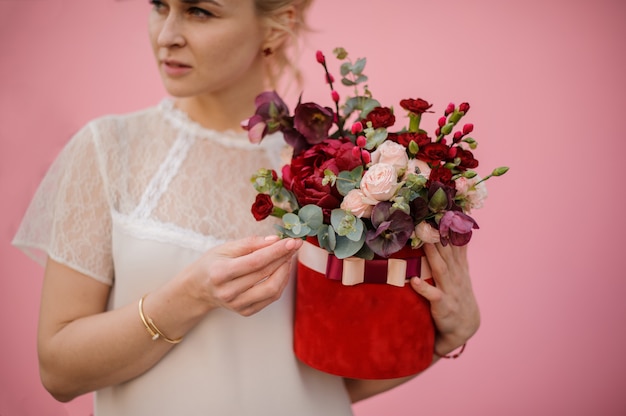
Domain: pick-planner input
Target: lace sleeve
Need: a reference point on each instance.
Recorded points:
(69, 217)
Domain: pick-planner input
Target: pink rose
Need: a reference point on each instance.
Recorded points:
(393, 154)
(355, 203)
(427, 233)
(380, 183)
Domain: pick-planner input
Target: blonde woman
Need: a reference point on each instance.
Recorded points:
(161, 293)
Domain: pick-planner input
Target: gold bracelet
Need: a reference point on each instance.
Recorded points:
(152, 329)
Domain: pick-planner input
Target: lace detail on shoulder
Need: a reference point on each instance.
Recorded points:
(167, 170)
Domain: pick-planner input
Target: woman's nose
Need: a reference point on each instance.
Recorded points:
(171, 33)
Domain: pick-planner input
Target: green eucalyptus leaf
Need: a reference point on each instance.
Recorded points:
(313, 217)
(346, 248)
(326, 237)
(361, 79)
(367, 105)
(345, 68)
(347, 82)
(358, 66)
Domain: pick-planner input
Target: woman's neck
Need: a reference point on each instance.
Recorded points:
(218, 113)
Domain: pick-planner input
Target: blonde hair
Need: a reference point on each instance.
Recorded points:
(283, 58)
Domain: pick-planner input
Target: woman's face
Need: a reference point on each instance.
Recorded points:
(207, 47)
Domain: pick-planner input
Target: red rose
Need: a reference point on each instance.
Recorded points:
(262, 207)
(417, 106)
(432, 152)
(380, 117)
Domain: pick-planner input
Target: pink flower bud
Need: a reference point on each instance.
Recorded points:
(457, 136)
(449, 109)
(452, 152)
(357, 128)
(442, 121)
(320, 57)
(361, 142)
(468, 128)
(330, 79)
(356, 152)
(438, 131)
(464, 107)
(335, 96)
(365, 155)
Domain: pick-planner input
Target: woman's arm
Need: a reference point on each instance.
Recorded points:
(453, 307)
(82, 347)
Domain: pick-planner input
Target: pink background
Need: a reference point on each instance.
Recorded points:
(545, 80)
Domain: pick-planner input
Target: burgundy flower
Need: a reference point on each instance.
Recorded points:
(449, 191)
(392, 230)
(416, 106)
(380, 117)
(262, 207)
(406, 138)
(440, 174)
(432, 152)
(456, 227)
(467, 159)
(313, 122)
(271, 114)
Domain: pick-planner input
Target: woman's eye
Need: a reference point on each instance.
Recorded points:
(198, 12)
(157, 5)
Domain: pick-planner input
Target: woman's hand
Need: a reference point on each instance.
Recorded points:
(244, 275)
(453, 304)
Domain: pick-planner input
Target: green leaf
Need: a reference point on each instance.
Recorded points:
(326, 237)
(345, 68)
(340, 53)
(358, 66)
(349, 180)
(439, 201)
(312, 216)
(346, 248)
(361, 79)
(347, 82)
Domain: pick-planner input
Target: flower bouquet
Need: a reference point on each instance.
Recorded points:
(366, 198)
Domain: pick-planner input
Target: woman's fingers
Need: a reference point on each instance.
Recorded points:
(430, 292)
(248, 274)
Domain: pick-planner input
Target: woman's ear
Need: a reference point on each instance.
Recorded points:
(279, 26)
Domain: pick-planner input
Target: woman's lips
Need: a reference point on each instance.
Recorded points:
(175, 68)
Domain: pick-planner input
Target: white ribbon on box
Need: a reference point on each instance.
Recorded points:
(316, 259)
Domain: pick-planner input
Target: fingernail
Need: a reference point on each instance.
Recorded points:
(272, 238)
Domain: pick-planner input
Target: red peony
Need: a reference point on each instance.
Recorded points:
(305, 174)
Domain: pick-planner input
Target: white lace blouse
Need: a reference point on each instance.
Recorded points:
(132, 200)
